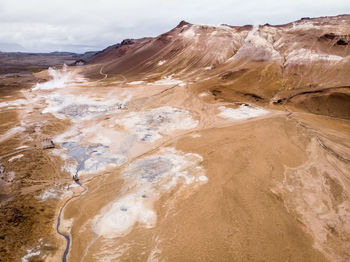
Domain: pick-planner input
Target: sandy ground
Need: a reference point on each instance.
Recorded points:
(170, 174)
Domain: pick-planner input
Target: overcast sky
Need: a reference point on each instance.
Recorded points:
(82, 25)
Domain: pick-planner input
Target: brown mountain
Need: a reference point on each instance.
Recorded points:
(305, 63)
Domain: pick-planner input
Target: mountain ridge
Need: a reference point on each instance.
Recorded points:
(263, 63)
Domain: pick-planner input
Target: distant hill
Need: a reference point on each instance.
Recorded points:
(26, 63)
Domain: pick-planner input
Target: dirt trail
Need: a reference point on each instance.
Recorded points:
(104, 75)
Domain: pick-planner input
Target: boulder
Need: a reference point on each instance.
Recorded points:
(47, 144)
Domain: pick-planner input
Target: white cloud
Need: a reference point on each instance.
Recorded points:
(93, 24)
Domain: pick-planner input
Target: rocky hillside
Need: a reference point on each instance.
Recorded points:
(306, 62)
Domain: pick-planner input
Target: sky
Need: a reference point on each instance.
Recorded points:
(85, 25)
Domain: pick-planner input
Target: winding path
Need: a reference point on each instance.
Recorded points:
(104, 75)
(67, 237)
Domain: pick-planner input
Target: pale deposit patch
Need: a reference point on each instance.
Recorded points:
(319, 198)
(83, 107)
(22, 147)
(306, 55)
(242, 112)
(37, 253)
(12, 104)
(15, 157)
(11, 132)
(190, 32)
(148, 125)
(146, 180)
(57, 192)
(30, 253)
(203, 94)
(161, 62)
(136, 82)
(168, 80)
(91, 159)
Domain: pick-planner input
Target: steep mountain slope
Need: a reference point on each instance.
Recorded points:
(264, 63)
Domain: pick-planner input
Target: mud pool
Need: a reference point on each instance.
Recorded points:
(91, 159)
